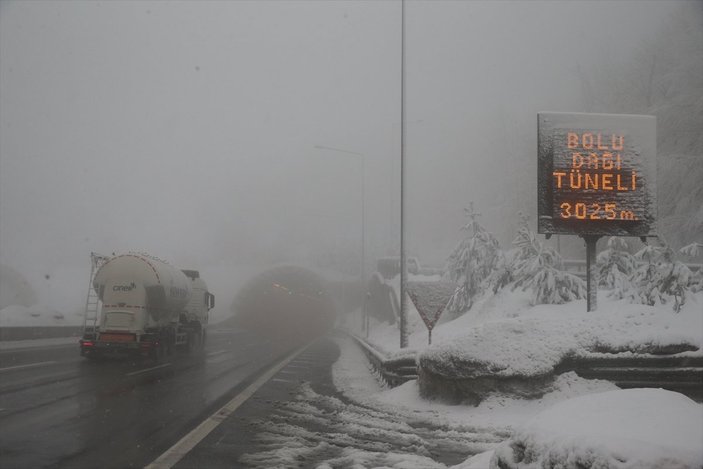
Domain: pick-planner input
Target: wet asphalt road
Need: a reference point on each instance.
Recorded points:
(299, 419)
(58, 409)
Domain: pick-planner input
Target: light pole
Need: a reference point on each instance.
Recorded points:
(363, 203)
(403, 261)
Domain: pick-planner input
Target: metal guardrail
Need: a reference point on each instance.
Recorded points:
(393, 371)
(682, 374)
(676, 373)
(49, 332)
(578, 267)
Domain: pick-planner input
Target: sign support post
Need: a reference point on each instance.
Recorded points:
(596, 177)
(591, 273)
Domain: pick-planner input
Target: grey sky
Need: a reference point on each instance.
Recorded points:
(188, 129)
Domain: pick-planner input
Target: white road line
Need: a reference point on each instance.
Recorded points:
(31, 365)
(278, 380)
(176, 452)
(148, 369)
(219, 352)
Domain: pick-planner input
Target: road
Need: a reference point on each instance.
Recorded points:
(58, 409)
(300, 419)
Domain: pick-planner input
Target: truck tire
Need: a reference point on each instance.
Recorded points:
(158, 353)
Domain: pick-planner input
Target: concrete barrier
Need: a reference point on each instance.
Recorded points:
(393, 371)
(682, 374)
(25, 333)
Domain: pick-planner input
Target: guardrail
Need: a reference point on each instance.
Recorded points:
(49, 332)
(680, 374)
(393, 371)
(578, 267)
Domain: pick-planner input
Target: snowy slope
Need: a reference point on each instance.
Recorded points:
(634, 428)
(537, 338)
(37, 316)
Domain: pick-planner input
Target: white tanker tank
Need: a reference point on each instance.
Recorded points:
(148, 306)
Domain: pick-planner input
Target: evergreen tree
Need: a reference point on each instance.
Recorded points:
(534, 267)
(472, 262)
(693, 251)
(615, 267)
(660, 277)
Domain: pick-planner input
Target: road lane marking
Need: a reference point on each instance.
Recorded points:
(148, 369)
(219, 352)
(278, 380)
(31, 365)
(176, 452)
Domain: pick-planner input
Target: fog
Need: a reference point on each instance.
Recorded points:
(229, 136)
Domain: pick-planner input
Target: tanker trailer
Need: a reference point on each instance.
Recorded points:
(145, 309)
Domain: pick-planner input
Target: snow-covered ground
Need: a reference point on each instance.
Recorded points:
(38, 343)
(578, 420)
(633, 428)
(506, 333)
(37, 316)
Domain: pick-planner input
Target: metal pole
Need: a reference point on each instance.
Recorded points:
(591, 273)
(403, 263)
(363, 226)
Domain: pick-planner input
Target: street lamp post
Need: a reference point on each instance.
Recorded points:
(363, 203)
(403, 260)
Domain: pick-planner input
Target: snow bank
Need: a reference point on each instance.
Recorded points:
(38, 343)
(499, 411)
(533, 341)
(635, 428)
(37, 316)
(588, 421)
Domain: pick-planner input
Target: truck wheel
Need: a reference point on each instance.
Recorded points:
(93, 357)
(188, 346)
(158, 353)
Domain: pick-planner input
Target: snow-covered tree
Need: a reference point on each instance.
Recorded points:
(535, 267)
(472, 262)
(615, 267)
(665, 79)
(660, 277)
(693, 251)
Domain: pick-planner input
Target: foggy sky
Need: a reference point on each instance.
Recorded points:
(188, 130)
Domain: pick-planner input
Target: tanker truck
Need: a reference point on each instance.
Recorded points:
(149, 309)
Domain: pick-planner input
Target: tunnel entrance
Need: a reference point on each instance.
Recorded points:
(288, 304)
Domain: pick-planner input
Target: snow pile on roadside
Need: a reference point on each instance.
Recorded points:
(578, 418)
(487, 424)
(635, 428)
(37, 343)
(498, 412)
(532, 343)
(36, 316)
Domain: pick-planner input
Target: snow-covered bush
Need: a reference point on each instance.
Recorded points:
(659, 278)
(472, 262)
(693, 251)
(615, 267)
(534, 267)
